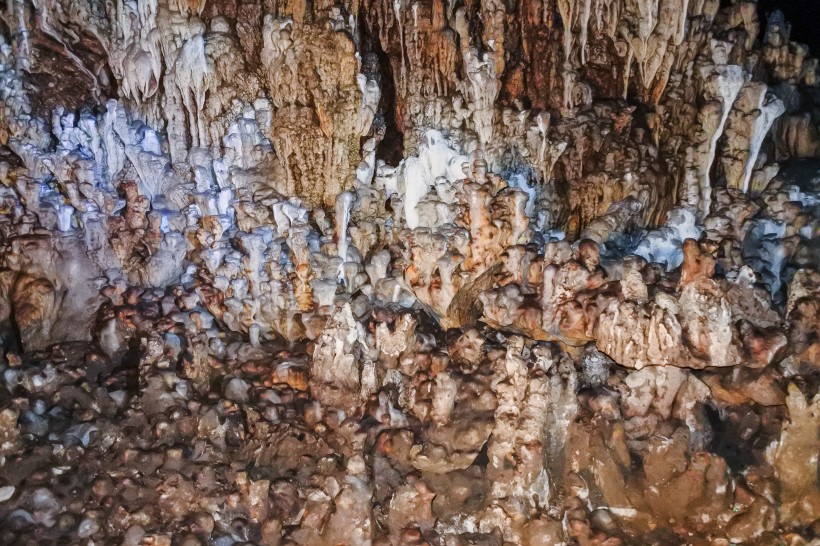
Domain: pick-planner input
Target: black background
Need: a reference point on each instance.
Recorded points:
(804, 16)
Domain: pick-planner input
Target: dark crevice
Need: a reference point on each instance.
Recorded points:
(483, 457)
(728, 442)
(376, 65)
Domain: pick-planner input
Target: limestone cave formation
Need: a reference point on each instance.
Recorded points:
(409, 272)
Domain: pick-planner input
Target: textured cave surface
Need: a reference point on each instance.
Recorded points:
(395, 272)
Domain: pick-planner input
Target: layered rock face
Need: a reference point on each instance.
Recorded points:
(532, 272)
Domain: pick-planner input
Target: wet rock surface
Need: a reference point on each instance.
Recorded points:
(388, 273)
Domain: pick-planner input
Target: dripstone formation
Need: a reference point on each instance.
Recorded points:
(371, 273)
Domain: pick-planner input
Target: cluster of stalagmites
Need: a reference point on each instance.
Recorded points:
(583, 308)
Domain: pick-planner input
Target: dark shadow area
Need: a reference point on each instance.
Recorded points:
(376, 65)
(803, 15)
(728, 442)
(391, 148)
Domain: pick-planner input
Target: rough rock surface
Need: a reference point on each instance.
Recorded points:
(532, 272)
